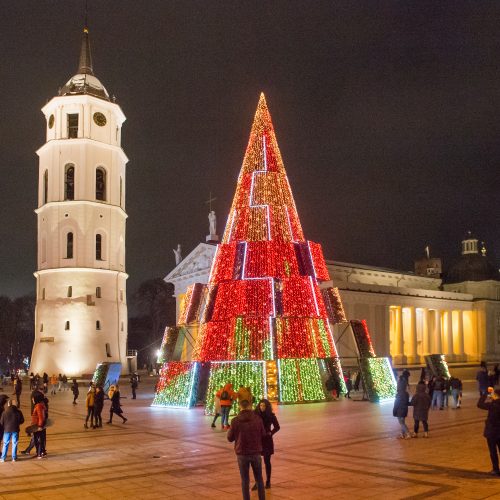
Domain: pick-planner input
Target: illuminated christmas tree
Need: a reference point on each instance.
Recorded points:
(265, 324)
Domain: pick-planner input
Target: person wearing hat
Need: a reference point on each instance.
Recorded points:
(491, 403)
(11, 420)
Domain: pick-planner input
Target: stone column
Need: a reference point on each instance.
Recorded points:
(412, 348)
(426, 333)
(449, 335)
(438, 346)
(460, 336)
(400, 350)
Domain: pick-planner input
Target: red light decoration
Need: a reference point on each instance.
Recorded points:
(263, 300)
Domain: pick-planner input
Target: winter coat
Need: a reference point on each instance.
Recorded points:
(247, 432)
(440, 384)
(421, 403)
(39, 415)
(18, 387)
(401, 404)
(11, 419)
(216, 405)
(492, 424)
(482, 379)
(74, 388)
(99, 401)
(456, 383)
(53, 380)
(231, 395)
(115, 403)
(244, 394)
(89, 400)
(268, 421)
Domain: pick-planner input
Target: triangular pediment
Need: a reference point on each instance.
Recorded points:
(197, 261)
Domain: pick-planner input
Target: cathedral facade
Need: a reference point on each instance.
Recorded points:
(408, 315)
(81, 308)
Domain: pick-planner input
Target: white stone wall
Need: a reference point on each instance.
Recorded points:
(68, 338)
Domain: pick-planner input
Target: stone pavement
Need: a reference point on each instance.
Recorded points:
(342, 450)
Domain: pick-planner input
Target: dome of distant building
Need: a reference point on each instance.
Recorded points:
(472, 265)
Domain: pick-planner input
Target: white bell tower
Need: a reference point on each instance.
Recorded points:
(81, 308)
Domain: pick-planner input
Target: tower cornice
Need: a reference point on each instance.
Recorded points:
(74, 203)
(82, 141)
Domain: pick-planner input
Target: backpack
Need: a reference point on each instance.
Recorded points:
(224, 395)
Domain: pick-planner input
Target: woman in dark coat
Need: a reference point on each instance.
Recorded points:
(421, 403)
(400, 410)
(271, 426)
(115, 406)
(492, 426)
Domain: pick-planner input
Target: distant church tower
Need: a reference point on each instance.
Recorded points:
(81, 308)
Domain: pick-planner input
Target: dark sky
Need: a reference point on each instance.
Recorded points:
(387, 115)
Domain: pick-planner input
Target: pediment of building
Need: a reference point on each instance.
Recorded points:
(198, 261)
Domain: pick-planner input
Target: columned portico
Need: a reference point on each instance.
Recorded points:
(412, 344)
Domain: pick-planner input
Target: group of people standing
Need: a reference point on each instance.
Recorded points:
(11, 419)
(433, 394)
(94, 403)
(57, 383)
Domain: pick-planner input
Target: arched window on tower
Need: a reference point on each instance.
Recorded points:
(45, 187)
(98, 247)
(69, 246)
(100, 184)
(69, 182)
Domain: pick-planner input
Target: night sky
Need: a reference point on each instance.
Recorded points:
(387, 115)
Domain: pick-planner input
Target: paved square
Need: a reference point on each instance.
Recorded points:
(344, 449)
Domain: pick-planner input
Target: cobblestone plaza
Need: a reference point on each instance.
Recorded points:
(343, 450)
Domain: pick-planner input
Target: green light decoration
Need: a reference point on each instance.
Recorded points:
(323, 336)
(378, 378)
(300, 380)
(334, 368)
(437, 365)
(176, 385)
(246, 373)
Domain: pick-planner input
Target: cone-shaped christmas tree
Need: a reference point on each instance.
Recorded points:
(265, 324)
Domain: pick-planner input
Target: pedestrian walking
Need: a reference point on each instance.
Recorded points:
(271, 426)
(133, 384)
(400, 411)
(98, 406)
(75, 390)
(59, 383)
(456, 391)
(11, 420)
(421, 403)
(115, 405)
(53, 384)
(483, 379)
(491, 432)
(430, 386)
(437, 394)
(226, 396)
(65, 382)
(18, 389)
(45, 378)
(247, 432)
(348, 384)
(89, 404)
(216, 410)
(39, 419)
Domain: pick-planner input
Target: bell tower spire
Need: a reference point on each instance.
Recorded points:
(85, 63)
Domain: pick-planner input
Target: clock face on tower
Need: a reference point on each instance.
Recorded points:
(99, 119)
(51, 121)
